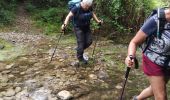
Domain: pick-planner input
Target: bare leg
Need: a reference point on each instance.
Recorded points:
(157, 88)
(145, 93)
(158, 85)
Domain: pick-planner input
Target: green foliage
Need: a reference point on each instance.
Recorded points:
(126, 15)
(50, 19)
(48, 3)
(7, 9)
(30, 7)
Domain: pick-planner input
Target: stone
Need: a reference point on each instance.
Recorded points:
(64, 95)
(9, 66)
(118, 87)
(92, 76)
(10, 92)
(23, 95)
(18, 89)
(2, 67)
(2, 47)
(103, 75)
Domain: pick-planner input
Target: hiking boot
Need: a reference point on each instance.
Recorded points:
(83, 61)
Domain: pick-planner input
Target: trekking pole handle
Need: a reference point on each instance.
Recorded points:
(128, 68)
(100, 23)
(135, 61)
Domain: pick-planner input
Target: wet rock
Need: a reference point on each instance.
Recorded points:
(61, 60)
(64, 95)
(9, 98)
(41, 94)
(103, 75)
(97, 68)
(9, 66)
(3, 80)
(92, 76)
(51, 51)
(118, 87)
(3, 93)
(10, 76)
(52, 98)
(74, 63)
(17, 89)
(2, 47)
(6, 71)
(23, 95)
(65, 56)
(2, 67)
(31, 84)
(79, 76)
(68, 47)
(71, 72)
(23, 67)
(10, 92)
(22, 73)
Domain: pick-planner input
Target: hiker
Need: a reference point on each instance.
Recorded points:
(155, 59)
(81, 16)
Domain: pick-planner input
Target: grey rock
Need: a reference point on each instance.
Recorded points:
(41, 94)
(23, 95)
(102, 75)
(2, 47)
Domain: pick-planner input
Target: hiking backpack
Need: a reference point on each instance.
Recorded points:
(160, 27)
(85, 16)
(73, 3)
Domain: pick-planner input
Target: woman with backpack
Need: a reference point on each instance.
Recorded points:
(156, 57)
(81, 15)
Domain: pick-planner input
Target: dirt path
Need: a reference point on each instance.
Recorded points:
(23, 23)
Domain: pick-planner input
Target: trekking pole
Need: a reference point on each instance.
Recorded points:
(124, 84)
(127, 74)
(96, 41)
(57, 44)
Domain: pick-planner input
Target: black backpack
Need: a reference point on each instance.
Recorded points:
(160, 27)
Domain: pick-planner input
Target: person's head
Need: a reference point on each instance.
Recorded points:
(86, 4)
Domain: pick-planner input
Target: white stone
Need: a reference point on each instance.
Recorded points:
(17, 89)
(9, 66)
(92, 76)
(118, 87)
(64, 95)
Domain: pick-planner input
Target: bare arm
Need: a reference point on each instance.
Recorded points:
(70, 14)
(95, 18)
(137, 40)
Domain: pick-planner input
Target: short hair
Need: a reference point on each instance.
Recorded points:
(88, 2)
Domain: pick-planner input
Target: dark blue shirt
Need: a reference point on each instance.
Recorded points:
(150, 26)
(81, 17)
